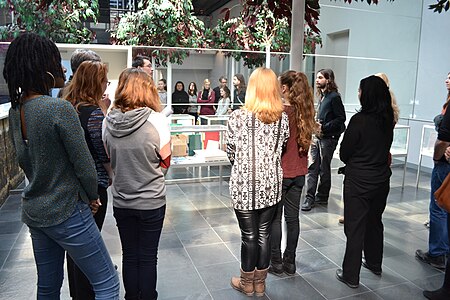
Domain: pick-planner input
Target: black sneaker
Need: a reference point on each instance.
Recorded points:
(289, 264)
(372, 268)
(307, 205)
(321, 201)
(434, 261)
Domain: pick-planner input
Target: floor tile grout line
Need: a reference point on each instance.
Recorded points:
(187, 252)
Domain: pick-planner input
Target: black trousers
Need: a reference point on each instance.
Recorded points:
(79, 286)
(292, 191)
(364, 204)
(320, 156)
(446, 284)
(256, 227)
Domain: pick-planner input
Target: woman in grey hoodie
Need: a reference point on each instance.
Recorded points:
(137, 138)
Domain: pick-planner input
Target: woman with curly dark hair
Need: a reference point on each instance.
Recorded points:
(299, 106)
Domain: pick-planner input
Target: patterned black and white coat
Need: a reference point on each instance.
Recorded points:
(254, 149)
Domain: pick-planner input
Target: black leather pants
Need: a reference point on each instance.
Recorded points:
(256, 227)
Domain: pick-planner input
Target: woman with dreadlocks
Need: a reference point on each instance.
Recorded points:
(58, 203)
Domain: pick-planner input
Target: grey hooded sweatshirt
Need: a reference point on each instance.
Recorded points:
(133, 141)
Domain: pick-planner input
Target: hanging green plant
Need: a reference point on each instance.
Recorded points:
(164, 23)
(61, 21)
(235, 34)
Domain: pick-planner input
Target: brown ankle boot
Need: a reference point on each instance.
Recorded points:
(244, 283)
(259, 282)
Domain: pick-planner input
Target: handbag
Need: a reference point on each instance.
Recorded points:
(442, 195)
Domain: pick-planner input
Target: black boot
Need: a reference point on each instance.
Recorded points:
(440, 294)
(276, 265)
(289, 263)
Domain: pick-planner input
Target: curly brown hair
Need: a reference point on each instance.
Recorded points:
(302, 99)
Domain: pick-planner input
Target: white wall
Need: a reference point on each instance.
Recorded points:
(432, 69)
(405, 40)
(381, 38)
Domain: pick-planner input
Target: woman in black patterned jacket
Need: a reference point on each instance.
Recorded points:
(255, 138)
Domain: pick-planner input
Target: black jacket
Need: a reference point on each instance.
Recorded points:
(331, 114)
(180, 97)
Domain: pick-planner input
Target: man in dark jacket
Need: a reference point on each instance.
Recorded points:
(330, 119)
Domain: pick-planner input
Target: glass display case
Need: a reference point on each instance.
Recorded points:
(215, 119)
(190, 150)
(399, 147)
(182, 119)
(429, 136)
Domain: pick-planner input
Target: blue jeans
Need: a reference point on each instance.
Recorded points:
(79, 236)
(139, 232)
(438, 235)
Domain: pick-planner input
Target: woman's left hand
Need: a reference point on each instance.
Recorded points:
(94, 205)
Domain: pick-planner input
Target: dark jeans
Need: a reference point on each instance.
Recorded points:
(446, 284)
(364, 204)
(255, 228)
(320, 156)
(292, 190)
(79, 286)
(438, 241)
(139, 232)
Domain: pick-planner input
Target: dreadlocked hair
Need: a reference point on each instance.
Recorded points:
(301, 99)
(31, 65)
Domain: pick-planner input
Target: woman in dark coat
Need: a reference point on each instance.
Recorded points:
(180, 99)
(365, 152)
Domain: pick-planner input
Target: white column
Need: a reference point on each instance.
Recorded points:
(169, 83)
(268, 55)
(297, 33)
(154, 69)
(231, 85)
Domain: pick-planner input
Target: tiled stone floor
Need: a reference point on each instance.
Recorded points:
(200, 248)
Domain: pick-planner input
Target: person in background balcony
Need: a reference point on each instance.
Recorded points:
(58, 204)
(193, 109)
(255, 137)
(162, 91)
(224, 103)
(222, 83)
(239, 91)
(180, 99)
(206, 96)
